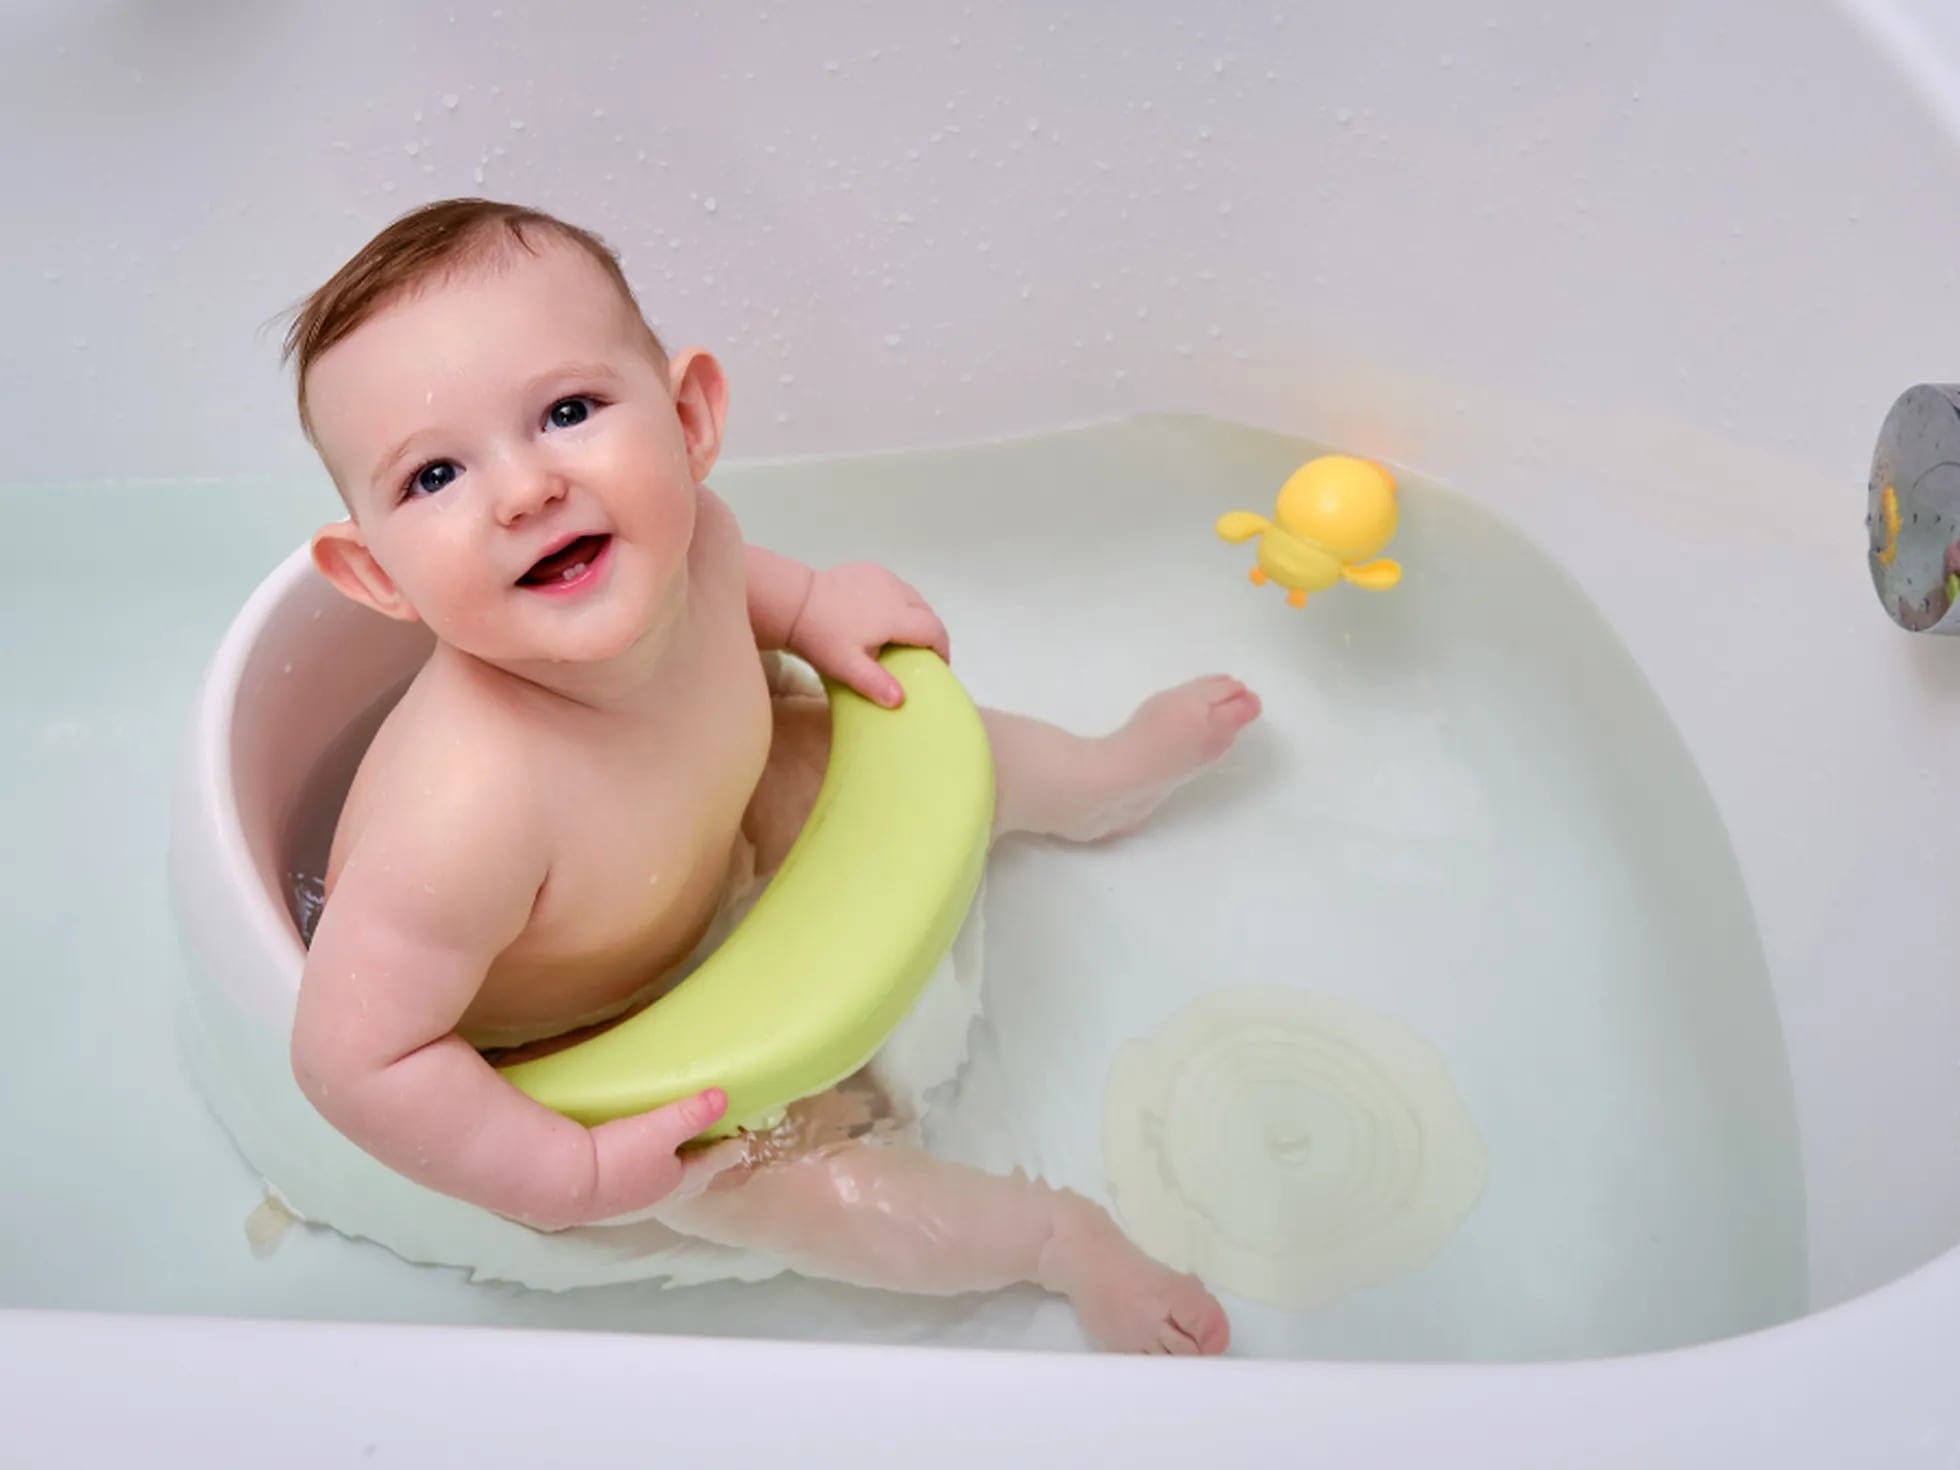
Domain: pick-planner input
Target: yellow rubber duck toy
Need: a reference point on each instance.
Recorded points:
(1333, 514)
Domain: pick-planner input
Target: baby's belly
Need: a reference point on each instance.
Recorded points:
(596, 966)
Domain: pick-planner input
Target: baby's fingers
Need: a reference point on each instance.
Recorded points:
(678, 1122)
(636, 1156)
(921, 628)
(868, 677)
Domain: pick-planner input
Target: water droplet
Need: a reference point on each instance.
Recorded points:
(892, 339)
(1204, 135)
(953, 40)
(599, 113)
(451, 101)
(478, 171)
(1344, 116)
(709, 204)
(517, 125)
(411, 148)
(830, 66)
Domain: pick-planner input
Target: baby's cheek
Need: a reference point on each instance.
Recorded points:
(669, 525)
(461, 613)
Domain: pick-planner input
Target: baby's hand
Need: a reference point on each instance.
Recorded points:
(850, 615)
(638, 1163)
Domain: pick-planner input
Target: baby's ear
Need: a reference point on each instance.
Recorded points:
(343, 558)
(701, 400)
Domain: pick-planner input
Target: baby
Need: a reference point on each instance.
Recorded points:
(550, 819)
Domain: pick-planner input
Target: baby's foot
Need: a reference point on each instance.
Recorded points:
(1126, 1302)
(1170, 738)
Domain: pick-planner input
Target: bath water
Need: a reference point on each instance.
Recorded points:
(1463, 810)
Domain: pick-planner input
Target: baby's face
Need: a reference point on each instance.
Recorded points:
(510, 449)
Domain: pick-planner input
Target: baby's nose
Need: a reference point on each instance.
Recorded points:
(528, 489)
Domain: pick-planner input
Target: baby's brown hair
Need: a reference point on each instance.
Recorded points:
(426, 244)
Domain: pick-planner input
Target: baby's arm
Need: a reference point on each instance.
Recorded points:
(778, 590)
(433, 893)
(840, 619)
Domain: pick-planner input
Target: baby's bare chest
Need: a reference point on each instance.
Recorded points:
(640, 834)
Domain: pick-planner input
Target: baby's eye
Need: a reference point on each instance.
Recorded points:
(433, 476)
(568, 413)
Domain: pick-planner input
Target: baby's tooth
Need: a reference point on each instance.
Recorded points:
(572, 570)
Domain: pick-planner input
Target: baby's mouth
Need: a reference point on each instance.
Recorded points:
(565, 564)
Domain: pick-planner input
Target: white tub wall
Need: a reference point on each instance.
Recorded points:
(1646, 277)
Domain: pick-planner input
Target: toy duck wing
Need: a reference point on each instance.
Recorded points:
(1241, 525)
(1297, 562)
(1376, 576)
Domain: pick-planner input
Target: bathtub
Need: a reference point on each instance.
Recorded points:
(1643, 283)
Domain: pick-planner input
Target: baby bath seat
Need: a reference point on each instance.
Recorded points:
(869, 910)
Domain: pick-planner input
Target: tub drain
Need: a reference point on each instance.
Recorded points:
(1288, 1148)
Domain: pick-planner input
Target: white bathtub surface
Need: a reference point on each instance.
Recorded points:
(1870, 1381)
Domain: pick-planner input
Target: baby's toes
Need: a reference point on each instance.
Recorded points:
(1173, 1341)
(1228, 710)
(1235, 707)
(1198, 1321)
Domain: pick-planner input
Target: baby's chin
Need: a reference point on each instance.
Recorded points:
(614, 625)
(594, 649)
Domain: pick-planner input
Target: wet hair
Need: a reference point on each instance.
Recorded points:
(427, 245)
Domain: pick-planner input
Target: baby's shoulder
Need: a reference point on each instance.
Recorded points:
(449, 777)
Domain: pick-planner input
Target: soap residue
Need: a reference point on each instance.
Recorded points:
(1288, 1148)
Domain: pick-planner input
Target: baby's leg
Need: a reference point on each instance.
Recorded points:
(892, 1217)
(895, 1218)
(1054, 784)
(1048, 782)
